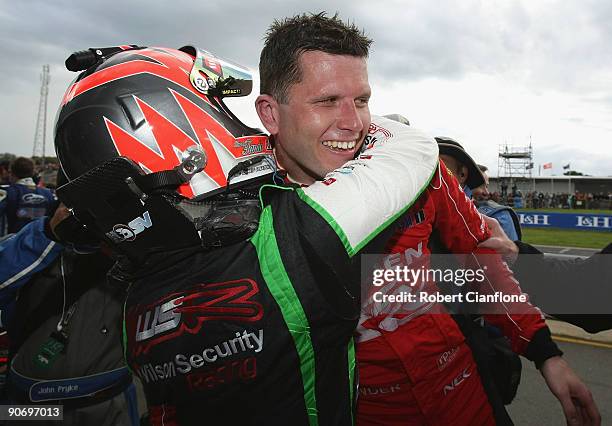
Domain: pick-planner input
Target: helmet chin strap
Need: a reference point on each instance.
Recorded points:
(242, 166)
(229, 218)
(193, 160)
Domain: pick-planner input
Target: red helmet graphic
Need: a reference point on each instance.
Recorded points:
(150, 105)
(144, 121)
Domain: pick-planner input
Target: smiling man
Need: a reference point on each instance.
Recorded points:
(314, 102)
(230, 311)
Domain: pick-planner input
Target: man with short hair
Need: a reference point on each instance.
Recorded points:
(243, 296)
(314, 102)
(307, 71)
(23, 201)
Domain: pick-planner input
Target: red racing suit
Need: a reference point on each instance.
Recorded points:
(415, 367)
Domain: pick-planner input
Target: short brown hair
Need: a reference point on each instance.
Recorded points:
(286, 39)
(22, 167)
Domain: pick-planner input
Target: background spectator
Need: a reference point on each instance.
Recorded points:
(22, 201)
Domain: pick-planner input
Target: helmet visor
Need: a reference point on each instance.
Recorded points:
(218, 77)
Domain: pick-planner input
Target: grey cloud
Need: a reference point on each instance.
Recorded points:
(563, 46)
(446, 40)
(37, 32)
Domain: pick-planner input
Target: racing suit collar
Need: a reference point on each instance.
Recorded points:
(25, 181)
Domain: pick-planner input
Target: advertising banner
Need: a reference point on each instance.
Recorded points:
(584, 221)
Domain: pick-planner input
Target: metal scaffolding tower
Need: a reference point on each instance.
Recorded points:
(514, 165)
(41, 119)
(515, 161)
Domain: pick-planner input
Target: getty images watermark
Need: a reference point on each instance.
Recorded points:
(401, 276)
(412, 282)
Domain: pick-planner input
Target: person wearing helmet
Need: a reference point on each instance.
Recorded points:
(243, 295)
(314, 102)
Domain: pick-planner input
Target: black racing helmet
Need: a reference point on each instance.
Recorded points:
(143, 136)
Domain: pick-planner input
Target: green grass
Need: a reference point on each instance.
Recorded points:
(567, 238)
(576, 211)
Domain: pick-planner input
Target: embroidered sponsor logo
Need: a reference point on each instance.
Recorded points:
(457, 381)
(206, 362)
(248, 147)
(369, 142)
(165, 318)
(129, 232)
(412, 219)
(33, 198)
(447, 357)
(403, 258)
(374, 128)
(328, 181)
(379, 390)
(186, 312)
(241, 370)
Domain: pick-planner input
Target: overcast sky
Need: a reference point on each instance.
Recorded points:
(482, 72)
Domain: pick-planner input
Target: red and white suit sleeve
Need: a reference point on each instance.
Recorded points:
(461, 228)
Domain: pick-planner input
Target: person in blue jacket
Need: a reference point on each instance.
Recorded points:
(63, 322)
(24, 254)
(22, 201)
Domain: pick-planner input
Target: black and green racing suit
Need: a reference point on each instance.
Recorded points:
(260, 332)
